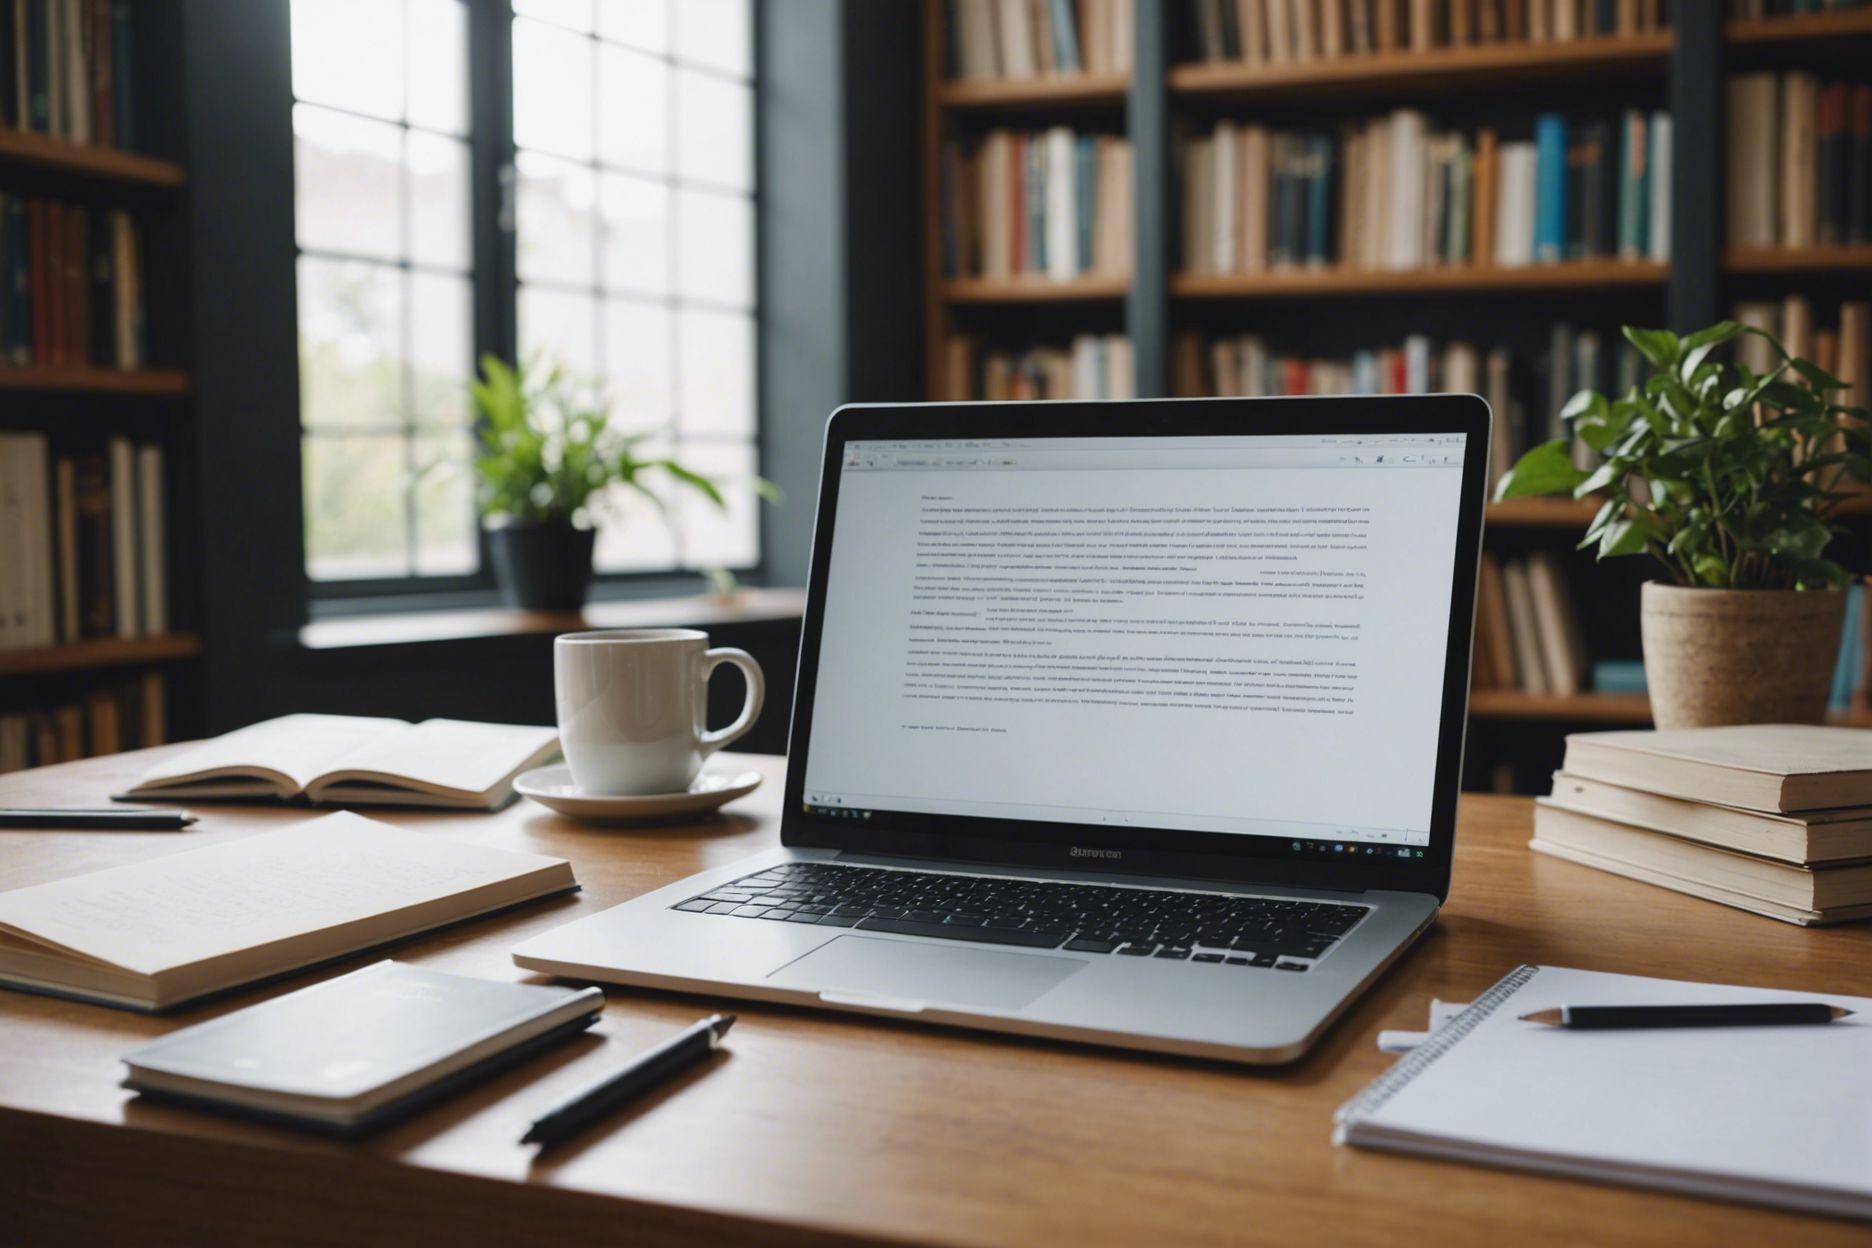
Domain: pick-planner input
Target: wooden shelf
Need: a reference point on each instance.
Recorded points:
(89, 655)
(1857, 257)
(1451, 279)
(89, 379)
(22, 147)
(1801, 27)
(1059, 89)
(1441, 70)
(1544, 513)
(1032, 289)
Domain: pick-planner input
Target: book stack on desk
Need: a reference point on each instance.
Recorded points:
(1772, 818)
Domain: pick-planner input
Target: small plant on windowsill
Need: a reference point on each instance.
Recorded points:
(547, 453)
(1728, 479)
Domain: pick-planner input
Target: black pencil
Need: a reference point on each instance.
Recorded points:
(1748, 1014)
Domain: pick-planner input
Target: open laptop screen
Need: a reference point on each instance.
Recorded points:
(1221, 634)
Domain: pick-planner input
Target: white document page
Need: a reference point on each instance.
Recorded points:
(1239, 634)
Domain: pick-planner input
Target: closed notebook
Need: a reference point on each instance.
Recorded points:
(1773, 1115)
(158, 933)
(356, 1051)
(1775, 767)
(447, 763)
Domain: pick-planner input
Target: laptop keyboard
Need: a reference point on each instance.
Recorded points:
(1039, 914)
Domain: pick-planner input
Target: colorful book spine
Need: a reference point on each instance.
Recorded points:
(1550, 215)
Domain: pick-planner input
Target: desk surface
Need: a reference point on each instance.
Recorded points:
(822, 1127)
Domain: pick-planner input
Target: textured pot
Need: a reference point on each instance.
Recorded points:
(1739, 656)
(541, 565)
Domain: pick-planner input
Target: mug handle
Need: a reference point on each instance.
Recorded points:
(756, 695)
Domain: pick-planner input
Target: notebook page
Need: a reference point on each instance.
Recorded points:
(449, 753)
(299, 746)
(1775, 1105)
(179, 909)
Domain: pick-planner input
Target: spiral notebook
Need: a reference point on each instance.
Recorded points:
(1772, 1115)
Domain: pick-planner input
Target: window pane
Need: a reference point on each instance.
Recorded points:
(559, 327)
(640, 23)
(438, 65)
(552, 89)
(350, 344)
(633, 110)
(715, 130)
(575, 14)
(712, 537)
(441, 349)
(636, 234)
(444, 498)
(637, 363)
(348, 191)
(717, 386)
(715, 247)
(354, 517)
(633, 536)
(558, 237)
(715, 33)
(349, 54)
(438, 188)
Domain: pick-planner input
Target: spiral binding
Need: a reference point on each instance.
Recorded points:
(1413, 1064)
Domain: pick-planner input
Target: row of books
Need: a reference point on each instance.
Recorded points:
(1275, 31)
(1032, 38)
(1527, 633)
(1054, 203)
(120, 715)
(1840, 344)
(1526, 395)
(1800, 161)
(82, 543)
(1771, 818)
(1093, 366)
(1393, 194)
(71, 284)
(66, 69)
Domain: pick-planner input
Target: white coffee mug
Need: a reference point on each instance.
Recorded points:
(633, 707)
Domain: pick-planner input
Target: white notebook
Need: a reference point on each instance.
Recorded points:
(1775, 1115)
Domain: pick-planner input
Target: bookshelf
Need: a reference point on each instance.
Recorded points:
(92, 685)
(1172, 94)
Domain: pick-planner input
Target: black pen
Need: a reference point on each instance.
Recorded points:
(133, 820)
(1755, 1014)
(658, 1065)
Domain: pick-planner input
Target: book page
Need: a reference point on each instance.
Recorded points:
(183, 908)
(297, 746)
(448, 754)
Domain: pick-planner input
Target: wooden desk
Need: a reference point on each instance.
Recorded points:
(824, 1128)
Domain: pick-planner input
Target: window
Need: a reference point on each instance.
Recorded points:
(632, 264)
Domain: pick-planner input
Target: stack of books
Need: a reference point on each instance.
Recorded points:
(1771, 818)
(1278, 31)
(82, 543)
(1391, 193)
(1094, 366)
(1052, 203)
(1032, 38)
(123, 714)
(65, 70)
(1800, 161)
(71, 285)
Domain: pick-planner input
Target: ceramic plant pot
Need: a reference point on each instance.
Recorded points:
(1739, 656)
(541, 565)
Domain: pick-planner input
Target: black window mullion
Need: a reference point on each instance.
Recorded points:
(491, 194)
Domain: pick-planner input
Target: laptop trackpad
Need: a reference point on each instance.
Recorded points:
(905, 972)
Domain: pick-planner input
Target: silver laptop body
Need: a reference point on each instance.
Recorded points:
(1138, 724)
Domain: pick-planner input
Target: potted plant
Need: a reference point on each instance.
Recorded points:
(1728, 480)
(546, 452)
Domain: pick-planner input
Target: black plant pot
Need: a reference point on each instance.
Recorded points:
(541, 565)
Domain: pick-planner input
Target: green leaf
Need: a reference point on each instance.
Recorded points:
(695, 480)
(1621, 537)
(1657, 345)
(1818, 376)
(1544, 469)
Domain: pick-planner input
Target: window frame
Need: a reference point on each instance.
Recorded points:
(493, 261)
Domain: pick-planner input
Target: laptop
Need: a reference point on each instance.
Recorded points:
(1136, 723)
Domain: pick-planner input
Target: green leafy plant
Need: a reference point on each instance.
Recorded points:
(1725, 476)
(546, 447)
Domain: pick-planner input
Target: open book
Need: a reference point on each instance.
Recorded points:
(353, 759)
(155, 934)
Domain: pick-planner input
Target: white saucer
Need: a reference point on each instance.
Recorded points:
(552, 787)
